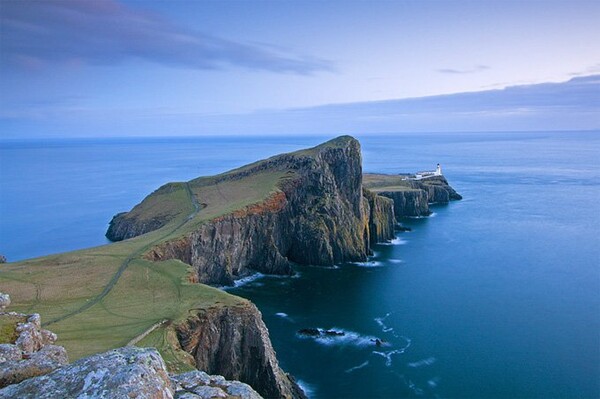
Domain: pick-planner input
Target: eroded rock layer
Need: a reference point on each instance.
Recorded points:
(234, 342)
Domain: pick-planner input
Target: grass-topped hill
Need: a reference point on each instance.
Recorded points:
(108, 296)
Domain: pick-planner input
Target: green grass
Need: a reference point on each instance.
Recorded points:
(145, 292)
(380, 182)
(8, 328)
(103, 297)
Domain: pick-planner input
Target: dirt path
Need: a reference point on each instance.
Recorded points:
(148, 331)
(115, 278)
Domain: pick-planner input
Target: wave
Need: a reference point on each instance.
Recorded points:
(395, 241)
(395, 260)
(384, 328)
(350, 338)
(388, 355)
(244, 281)
(360, 366)
(433, 382)
(308, 389)
(285, 316)
(369, 263)
(424, 362)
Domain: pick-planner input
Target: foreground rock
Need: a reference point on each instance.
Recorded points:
(26, 350)
(198, 384)
(125, 373)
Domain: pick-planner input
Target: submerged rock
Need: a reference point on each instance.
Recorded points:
(316, 332)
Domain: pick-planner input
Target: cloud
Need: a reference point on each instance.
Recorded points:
(476, 69)
(38, 33)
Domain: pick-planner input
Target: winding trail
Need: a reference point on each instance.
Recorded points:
(115, 278)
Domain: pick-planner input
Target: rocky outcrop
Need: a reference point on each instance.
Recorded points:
(26, 350)
(234, 342)
(122, 373)
(414, 198)
(125, 373)
(199, 385)
(318, 216)
(4, 301)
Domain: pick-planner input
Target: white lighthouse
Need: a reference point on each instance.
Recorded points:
(438, 170)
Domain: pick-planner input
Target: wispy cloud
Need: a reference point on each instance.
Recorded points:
(476, 69)
(38, 33)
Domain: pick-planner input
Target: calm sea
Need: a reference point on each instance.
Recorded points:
(497, 295)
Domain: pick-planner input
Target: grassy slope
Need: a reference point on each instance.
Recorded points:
(64, 288)
(380, 182)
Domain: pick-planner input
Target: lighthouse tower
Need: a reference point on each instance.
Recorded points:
(438, 170)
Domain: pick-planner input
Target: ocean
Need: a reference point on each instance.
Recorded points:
(494, 296)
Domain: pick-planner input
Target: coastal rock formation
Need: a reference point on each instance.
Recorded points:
(234, 342)
(316, 215)
(412, 202)
(381, 217)
(412, 197)
(26, 350)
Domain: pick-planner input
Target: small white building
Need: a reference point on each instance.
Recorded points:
(429, 173)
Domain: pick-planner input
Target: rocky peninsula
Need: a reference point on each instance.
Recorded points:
(152, 286)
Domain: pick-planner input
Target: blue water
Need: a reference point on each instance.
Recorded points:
(497, 295)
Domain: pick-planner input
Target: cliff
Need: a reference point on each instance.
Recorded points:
(308, 207)
(411, 197)
(312, 211)
(234, 342)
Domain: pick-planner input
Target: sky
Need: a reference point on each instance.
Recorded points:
(136, 68)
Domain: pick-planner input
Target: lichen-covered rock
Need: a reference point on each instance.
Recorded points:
(128, 372)
(233, 342)
(196, 384)
(44, 361)
(29, 351)
(10, 352)
(4, 301)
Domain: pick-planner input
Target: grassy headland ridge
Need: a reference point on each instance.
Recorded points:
(305, 207)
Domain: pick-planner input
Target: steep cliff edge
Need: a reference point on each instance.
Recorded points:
(234, 342)
(305, 207)
(411, 197)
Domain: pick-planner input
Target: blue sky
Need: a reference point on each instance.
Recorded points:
(130, 68)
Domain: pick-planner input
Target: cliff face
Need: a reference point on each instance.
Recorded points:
(381, 218)
(408, 202)
(317, 216)
(412, 197)
(234, 342)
